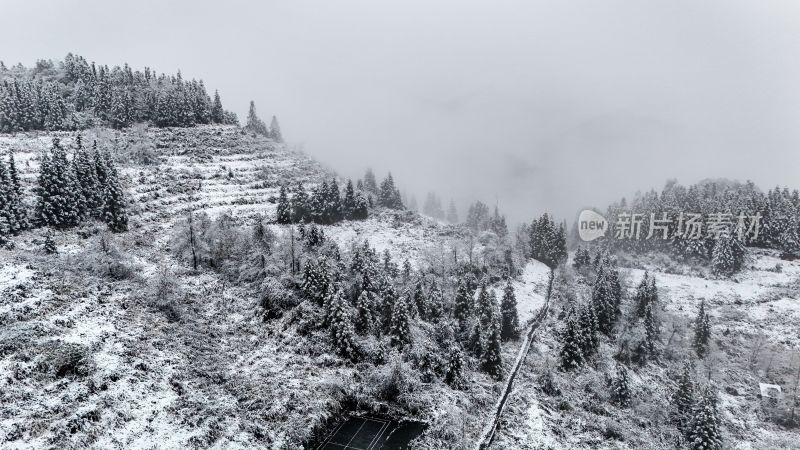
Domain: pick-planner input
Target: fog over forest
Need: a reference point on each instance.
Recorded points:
(536, 105)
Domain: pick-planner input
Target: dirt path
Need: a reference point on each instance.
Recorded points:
(489, 432)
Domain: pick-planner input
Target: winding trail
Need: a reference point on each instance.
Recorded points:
(489, 432)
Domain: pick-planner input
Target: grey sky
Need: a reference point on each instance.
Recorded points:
(541, 104)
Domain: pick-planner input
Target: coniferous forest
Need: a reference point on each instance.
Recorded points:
(75, 94)
(172, 277)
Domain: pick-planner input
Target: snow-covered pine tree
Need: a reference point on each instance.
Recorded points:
(284, 209)
(683, 398)
(370, 183)
(491, 358)
(254, 123)
(702, 332)
(388, 297)
(57, 204)
(217, 113)
(704, 432)
(365, 312)
(91, 191)
(463, 306)
(455, 369)
(389, 195)
(587, 324)
(315, 281)
(604, 300)
(435, 304)
(16, 207)
(399, 329)
(651, 333)
(121, 113)
(485, 307)
(642, 297)
(300, 206)
(620, 391)
(571, 354)
(508, 309)
(275, 130)
(115, 212)
(349, 201)
(361, 211)
(582, 258)
(333, 202)
(7, 221)
(340, 323)
(316, 203)
(722, 259)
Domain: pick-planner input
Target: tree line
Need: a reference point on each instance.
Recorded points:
(779, 225)
(68, 192)
(327, 204)
(74, 94)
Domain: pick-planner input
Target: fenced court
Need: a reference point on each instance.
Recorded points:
(369, 433)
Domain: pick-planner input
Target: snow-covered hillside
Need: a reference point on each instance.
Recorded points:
(754, 317)
(92, 357)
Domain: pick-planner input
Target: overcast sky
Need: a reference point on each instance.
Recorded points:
(536, 104)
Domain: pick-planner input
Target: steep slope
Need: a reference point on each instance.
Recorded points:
(115, 342)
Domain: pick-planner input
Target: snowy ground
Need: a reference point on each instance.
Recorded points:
(761, 303)
(204, 371)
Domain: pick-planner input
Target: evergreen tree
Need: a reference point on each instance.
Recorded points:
(571, 354)
(400, 330)
(365, 317)
(114, 211)
(587, 330)
(370, 184)
(315, 281)
(275, 130)
(620, 391)
(455, 368)
(284, 210)
(341, 325)
(389, 196)
(702, 332)
(704, 432)
(582, 258)
(651, 336)
(463, 306)
(254, 123)
(57, 204)
(300, 205)
(605, 298)
(12, 210)
(217, 113)
(683, 398)
(333, 203)
(727, 255)
(508, 308)
(91, 191)
(435, 305)
(491, 359)
(349, 201)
